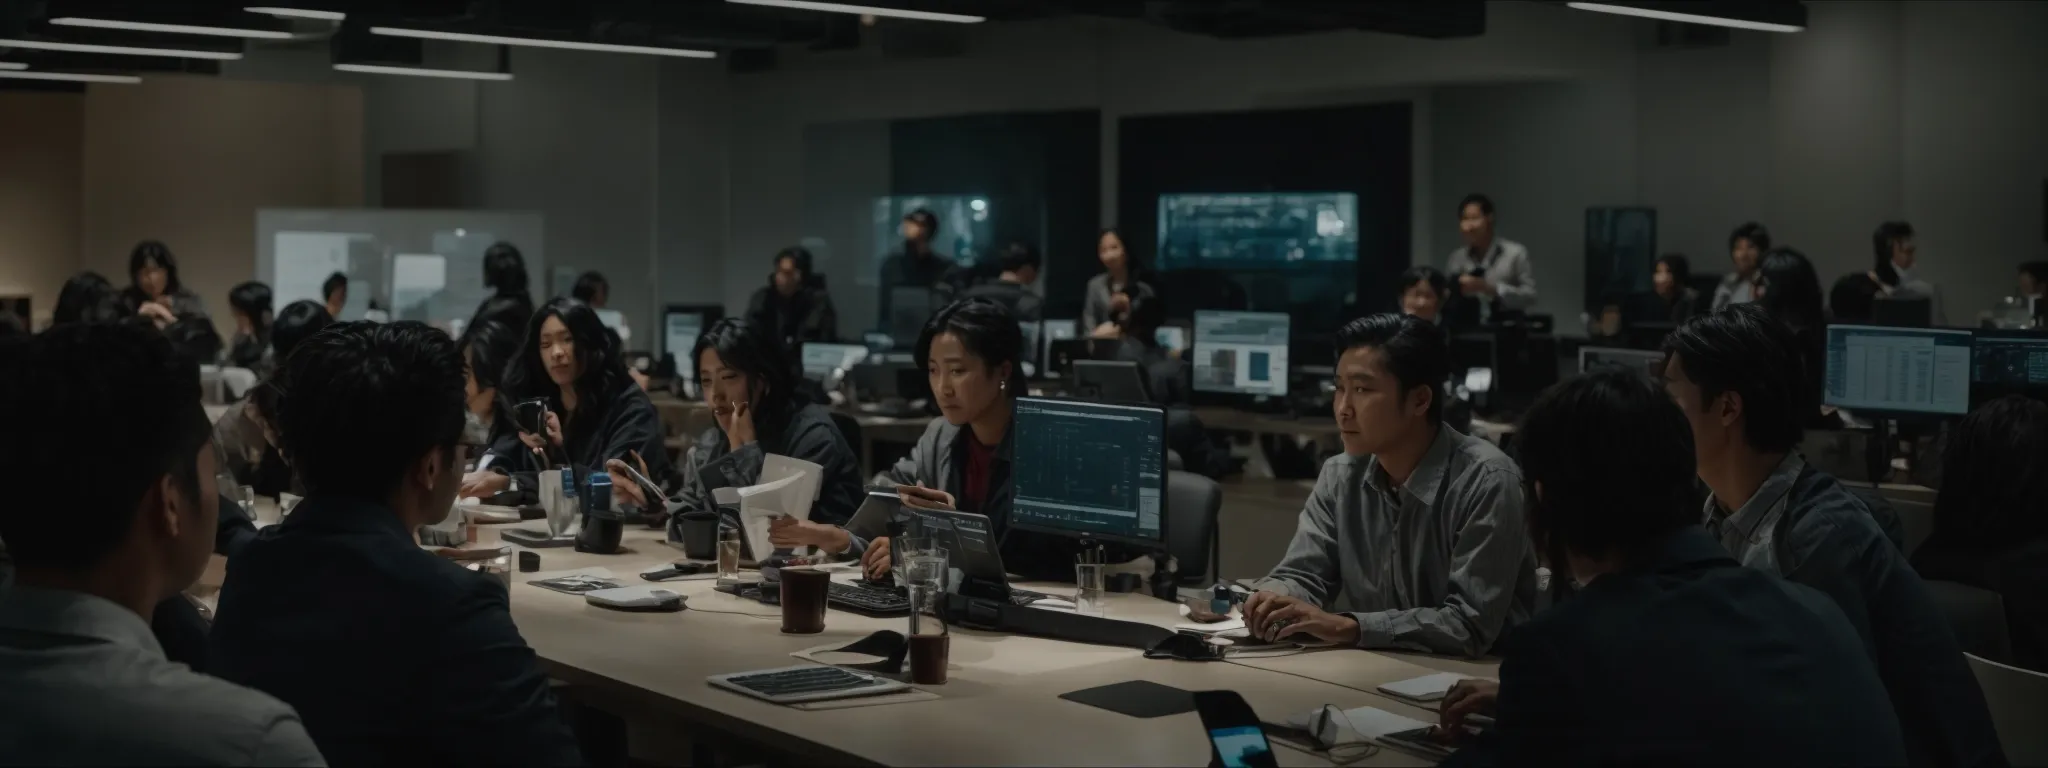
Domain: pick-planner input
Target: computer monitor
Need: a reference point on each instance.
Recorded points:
(1241, 353)
(2008, 362)
(820, 360)
(681, 324)
(1898, 370)
(1637, 359)
(1117, 381)
(1090, 470)
(1055, 330)
(1061, 355)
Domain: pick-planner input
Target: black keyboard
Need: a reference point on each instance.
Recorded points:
(812, 682)
(866, 599)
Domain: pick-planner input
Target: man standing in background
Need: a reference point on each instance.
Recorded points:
(1746, 246)
(1492, 274)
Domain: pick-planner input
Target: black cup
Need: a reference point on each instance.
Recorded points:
(698, 532)
(602, 530)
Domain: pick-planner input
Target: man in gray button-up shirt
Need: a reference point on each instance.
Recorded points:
(83, 681)
(1413, 539)
(1504, 279)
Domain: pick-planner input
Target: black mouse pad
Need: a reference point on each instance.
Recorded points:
(1137, 698)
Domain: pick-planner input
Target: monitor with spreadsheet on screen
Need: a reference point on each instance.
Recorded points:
(681, 324)
(1090, 470)
(1898, 370)
(1241, 353)
(821, 359)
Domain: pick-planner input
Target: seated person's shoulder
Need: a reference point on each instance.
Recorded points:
(1819, 506)
(1483, 461)
(167, 715)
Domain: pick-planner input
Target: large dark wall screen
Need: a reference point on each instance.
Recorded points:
(1278, 166)
(1039, 174)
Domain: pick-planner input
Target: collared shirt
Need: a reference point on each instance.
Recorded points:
(1441, 564)
(1734, 289)
(1750, 532)
(84, 682)
(1506, 265)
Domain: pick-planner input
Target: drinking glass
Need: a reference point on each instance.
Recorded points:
(728, 552)
(903, 548)
(246, 497)
(924, 573)
(1088, 588)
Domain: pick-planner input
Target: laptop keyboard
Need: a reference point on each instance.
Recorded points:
(867, 599)
(805, 680)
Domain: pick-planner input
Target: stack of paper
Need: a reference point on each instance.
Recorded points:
(787, 487)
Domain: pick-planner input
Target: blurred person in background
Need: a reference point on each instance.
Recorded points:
(1746, 247)
(250, 303)
(153, 287)
(794, 306)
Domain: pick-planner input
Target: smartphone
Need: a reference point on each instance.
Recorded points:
(1235, 738)
(532, 415)
(1422, 740)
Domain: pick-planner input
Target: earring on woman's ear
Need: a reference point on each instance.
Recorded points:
(1003, 385)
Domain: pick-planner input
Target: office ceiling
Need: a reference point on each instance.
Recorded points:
(743, 34)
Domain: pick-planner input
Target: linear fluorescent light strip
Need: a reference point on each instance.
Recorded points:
(807, 5)
(1689, 18)
(181, 29)
(46, 45)
(12, 65)
(428, 34)
(70, 77)
(297, 13)
(464, 74)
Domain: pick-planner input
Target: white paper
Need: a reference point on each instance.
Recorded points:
(1424, 688)
(1363, 723)
(1478, 380)
(1222, 628)
(788, 487)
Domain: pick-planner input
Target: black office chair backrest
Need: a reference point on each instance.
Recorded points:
(1192, 504)
(1978, 618)
(1902, 311)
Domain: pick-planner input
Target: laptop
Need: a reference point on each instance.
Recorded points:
(973, 554)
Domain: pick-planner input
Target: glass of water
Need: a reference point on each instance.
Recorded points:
(924, 574)
(1088, 587)
(728, 552)
(246, 497)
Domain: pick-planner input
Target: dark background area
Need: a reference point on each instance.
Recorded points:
(1040, 171)
(1365, 149)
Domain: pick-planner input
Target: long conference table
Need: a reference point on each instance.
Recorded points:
(1001, 705)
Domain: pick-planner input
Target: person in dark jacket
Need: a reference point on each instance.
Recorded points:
(505, 274)
(389, 652)
(244, 432)
(153, 287)
(488, 350)
(334, 294)
(753, 400)
(1673, 298)
(1738, 376)
(1012, 288)
(1668, 652)
(1991, 518)
(916, 265)
(89, 298)
(595, 411)
(794, 306)
(250, 347)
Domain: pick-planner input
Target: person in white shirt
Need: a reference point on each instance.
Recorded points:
(1746, 247)
(100, 532)
(1893, 256)
(1489, 272)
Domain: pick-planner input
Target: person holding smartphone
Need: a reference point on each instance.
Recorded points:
(748, 384)
(595, 413)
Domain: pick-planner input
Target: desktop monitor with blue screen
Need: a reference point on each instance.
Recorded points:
(1172, 337)
(1090, 470)
(1898, 370)
(1241, 353)
(2008, 362)
(681, 324)
(820, 360)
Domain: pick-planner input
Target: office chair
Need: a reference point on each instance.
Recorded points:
(1192, 505)
(2017, 698)
(1977, 616)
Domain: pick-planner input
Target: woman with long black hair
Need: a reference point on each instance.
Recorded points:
(488, 350)
(505, 274)
(748, 385)
(595, 411)
(1109, 294)
(153, 287)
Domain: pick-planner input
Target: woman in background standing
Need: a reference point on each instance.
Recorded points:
(1109, 294)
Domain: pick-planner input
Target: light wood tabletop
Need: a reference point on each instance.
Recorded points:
(1001, 705)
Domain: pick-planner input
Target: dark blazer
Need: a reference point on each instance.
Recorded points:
(389, 653)
(627, 422)
(1689, 659)
(807, 316)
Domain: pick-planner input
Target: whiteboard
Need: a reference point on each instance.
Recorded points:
(418, 265)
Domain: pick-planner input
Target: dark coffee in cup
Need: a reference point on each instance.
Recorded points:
(928, 657)
(803, 600)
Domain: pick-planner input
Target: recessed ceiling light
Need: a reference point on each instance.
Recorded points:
(464, 74)
(181, 29)
(128, 50)
(12, 65)
(462, 37)
(807, 5)
(1689, 18)
(72, 77)
(297, 13)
